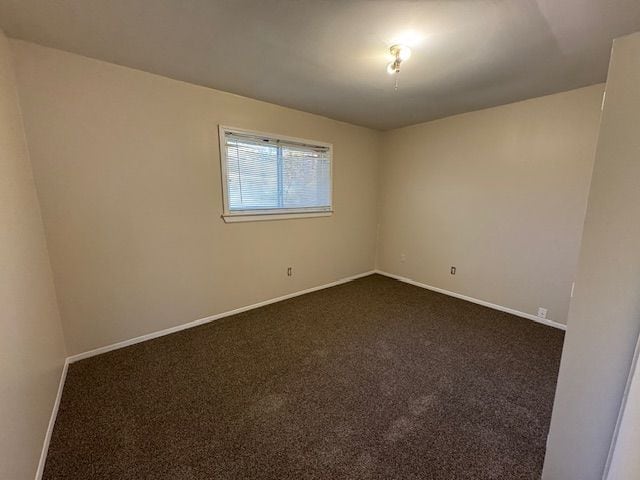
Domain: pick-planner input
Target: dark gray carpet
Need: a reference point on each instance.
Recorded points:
(371, 379)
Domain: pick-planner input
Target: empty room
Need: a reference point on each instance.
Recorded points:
(319, 239)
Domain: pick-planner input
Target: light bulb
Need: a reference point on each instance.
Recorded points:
(403, 52)
(391, 68)
(400, 52)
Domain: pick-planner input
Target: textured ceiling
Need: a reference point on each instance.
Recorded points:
(329, 56)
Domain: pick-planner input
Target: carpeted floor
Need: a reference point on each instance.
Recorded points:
(373, 379)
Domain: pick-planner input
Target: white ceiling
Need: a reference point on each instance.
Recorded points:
(329, 56)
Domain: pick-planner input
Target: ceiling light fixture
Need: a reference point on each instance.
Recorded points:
(400, 53)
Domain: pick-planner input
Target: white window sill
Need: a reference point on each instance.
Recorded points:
(260, 217)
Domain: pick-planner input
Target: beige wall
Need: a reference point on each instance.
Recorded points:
(499, 193)
(127, 169)
(31, 345)
(625, 461)
(604, 318)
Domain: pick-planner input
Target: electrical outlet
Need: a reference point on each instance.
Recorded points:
(403, 257)
(542, 312)
(290, 272)
(453, 270)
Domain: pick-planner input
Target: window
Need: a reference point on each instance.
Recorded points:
(266, 177)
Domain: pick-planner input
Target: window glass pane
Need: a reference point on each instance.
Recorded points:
(252, 173)
(305, 178)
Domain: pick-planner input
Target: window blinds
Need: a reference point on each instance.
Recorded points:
(270, 175)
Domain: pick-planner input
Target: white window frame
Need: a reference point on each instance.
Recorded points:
(269, 214)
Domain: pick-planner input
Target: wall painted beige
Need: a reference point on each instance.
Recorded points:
(604, 318)
(624, 460)
(32, 348)
(127, 169)
(499, 193)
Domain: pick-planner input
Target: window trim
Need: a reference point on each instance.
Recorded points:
(269, 214)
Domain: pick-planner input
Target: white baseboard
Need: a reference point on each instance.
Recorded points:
(518, 313)
(52, 421)
(195, 323)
